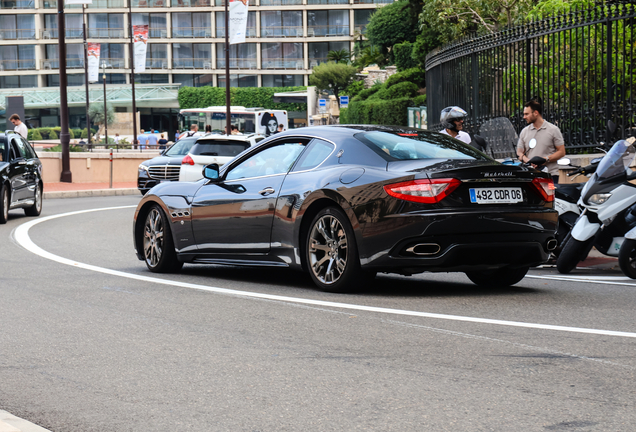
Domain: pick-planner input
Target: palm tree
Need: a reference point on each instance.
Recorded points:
(339, 56)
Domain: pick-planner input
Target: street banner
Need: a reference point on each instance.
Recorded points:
(140, 39)
(238, 21)
(72, 2)
(93, 61)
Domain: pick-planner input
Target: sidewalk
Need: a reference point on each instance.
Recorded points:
(11, 423)
(74, 190)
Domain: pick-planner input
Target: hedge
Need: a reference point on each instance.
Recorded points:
(377, 111)
(414, 75)
(201, 97)
(402, 53)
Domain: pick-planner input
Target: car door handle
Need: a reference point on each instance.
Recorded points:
(267, 191)
(22, 162)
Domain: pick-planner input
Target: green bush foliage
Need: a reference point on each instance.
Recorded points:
(376, 111)
(404, 89)
(52, 135)
(420, 100)
(202, 97)
(76, 132)
(414, 75)
(403, 54)
(34, 134)
(354, 89)
(366, 93)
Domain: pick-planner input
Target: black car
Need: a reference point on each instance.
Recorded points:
(346, 202)
(164, 167)
(21, 176)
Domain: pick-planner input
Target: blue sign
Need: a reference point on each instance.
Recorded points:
(322, 102)
(344, 101)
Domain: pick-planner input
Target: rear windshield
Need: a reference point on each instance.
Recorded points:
(418, 145)
(181, 147)
(219, 148)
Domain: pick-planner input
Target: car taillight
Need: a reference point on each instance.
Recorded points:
(423, 191)
(545, 187)
(187, 160)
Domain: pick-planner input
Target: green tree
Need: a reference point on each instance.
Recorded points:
(96, 113)
(392, 24)
(339, 56)
(333, 77)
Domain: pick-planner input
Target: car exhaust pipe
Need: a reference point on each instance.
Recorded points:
(551, 245)
(424, 249)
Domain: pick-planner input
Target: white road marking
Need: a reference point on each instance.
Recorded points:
(21, 235)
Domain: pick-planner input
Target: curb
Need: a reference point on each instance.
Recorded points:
(89, 193)
(11, 423)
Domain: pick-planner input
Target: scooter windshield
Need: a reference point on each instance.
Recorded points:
(614, 162)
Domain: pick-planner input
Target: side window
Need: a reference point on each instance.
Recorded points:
(21, 146)
(30, 151)
(14, 153)
(317, 151)
(2, 151)
(277, 159)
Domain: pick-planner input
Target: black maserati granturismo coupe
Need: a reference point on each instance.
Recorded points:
(346, 202)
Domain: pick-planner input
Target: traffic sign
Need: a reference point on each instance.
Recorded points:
(344, 101)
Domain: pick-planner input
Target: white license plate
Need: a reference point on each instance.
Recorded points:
(496, 195)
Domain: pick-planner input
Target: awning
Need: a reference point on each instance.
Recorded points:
(291, 97)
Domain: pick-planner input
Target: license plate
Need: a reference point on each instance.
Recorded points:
(496, 195)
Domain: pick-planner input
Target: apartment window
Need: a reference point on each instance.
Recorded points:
(17, 4)
(191, 3)
(113, 78)
(361, 18)
(238, 80)
(279, 2)
(106, 26)
(328, 23)
(242, 56)
(281, 23)
(17, 27)
(282, 80)
(17, 81)
(282, 55)
(113, 55)
(188, 25)
(74, 80)
(74, 57)
(156, 23)
(193, 80)
(192, 56)
(157, 56)
(250, 31)
(72, 22)
(318, 51)
(151, 79)
(327, 2)
(149, 3)
(17, 57)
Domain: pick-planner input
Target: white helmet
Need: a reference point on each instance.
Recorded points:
(449, 114)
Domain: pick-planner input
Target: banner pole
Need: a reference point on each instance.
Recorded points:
(228, 123)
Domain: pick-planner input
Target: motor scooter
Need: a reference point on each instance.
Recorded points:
(609, 203)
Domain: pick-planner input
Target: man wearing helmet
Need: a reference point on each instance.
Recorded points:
(452, 120)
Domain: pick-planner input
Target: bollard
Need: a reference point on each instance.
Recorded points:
(111, 168)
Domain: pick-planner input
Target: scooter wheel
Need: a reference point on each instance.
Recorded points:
(627, 258)
(572, 253)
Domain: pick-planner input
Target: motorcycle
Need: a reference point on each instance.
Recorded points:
(609, 203)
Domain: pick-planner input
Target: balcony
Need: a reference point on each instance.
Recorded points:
(156, 63)
(323, 31)
(160, 33)
(192, 32)
(316, 2)
(279, 2)
(192, 3)
(313, 62)
(237, 63)
(71, 33)
(274, 63)
(371, 1)
(112, 63)
(195, 63)
(285, 31)
(17, 4)
(17, 34)
(149, 3)
(71, 63)
(105, 4)
(251, 3)
(13, 65)
(250, 32)
(106, 33)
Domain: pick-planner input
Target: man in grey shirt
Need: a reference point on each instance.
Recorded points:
(546, 136)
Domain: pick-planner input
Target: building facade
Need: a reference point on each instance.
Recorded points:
(285, 40)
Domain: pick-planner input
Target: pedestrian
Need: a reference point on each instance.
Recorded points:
(152, 141)
(540, 138)
(208, 129)
(176, 135)
(116, 139)
(235, 130)
(142, 139)
(96, 137)
(452, 120)
(281, 128)
(19, 126)
(162, 142)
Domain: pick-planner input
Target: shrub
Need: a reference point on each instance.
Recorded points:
(76, 132)
(377, 111)
(402, 90)
(354, 89)
(84, 133)
(201, 97)
(420, 100)
(53, 135)
(364, 94)
(403, 54)
(35, 135)
(414, 75)
(45, 131)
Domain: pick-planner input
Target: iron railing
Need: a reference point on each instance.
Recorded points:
(579, 64)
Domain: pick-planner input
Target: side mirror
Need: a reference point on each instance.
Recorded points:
(479, 142)
(564, 161)
(537, 160)
(211, 172)
(611, 127)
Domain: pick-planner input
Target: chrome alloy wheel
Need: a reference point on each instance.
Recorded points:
(328, 251)
(153, 237)
(5, 205)
(38, 199)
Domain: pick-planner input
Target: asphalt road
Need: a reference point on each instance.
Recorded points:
(84, 349)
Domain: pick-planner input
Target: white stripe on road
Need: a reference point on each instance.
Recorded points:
(21, 236)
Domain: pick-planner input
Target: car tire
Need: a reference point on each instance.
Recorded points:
(4, 202)
(143, 192)
(572, 253)
(331, 253)
(158, 246)
(36, 208)
(500, 278)
(627, 258)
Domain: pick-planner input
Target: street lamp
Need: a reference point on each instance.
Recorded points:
(65, 137)
(105, 107)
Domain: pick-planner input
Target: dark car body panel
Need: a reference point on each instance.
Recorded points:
(255, 230)
(20, 174)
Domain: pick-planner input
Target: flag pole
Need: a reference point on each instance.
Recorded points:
(228, 123)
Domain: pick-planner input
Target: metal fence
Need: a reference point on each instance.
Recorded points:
(580, 64)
